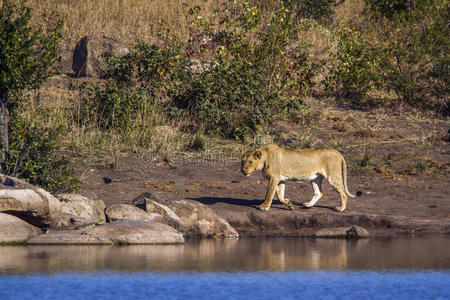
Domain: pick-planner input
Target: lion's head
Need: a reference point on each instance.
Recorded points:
(252, 161)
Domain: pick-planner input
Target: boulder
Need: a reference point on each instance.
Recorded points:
(120, 232)
(154, 204)
(169, 215)
(118, 212)
(353, 232)
(196, 218)
(200, 220)
(14, 230)
(78, 210)
(87, 56)
(30, 203)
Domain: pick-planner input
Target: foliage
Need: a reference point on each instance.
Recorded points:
(32, 157)
(354, 72)
(397, 47)
(26, 56)
(26, 53)
(233, 90)
(259, 73)
(413, 35)
(320, 10)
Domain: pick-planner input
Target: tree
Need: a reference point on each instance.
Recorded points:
(26, 55)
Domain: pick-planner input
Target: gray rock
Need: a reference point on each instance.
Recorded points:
(200, 220)
(196, 218)
(87, 56)
(14, 230)
(118, 212)
(30, 203)
(170, 217)
(120, 232)
(357, 232)
(353, 232)
(78, 210)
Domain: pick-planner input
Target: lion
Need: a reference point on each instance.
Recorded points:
(280, 165)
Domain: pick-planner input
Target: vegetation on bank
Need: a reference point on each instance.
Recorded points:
(26, 56)
(226, 69)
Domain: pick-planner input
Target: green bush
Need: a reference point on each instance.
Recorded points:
(27, 55)
(413, 40)
(397, 47)
(355, 67)
(32, 157)
(233, 91)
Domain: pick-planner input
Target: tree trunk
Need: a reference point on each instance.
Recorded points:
(4, 120)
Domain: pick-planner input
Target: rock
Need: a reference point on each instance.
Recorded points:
(196, 218)
(30, 203)
(14, 230)
(78, 210)
(200, 220)
(118, 212)
(87, 56)
(356, 232)
(353, 232)
(153, 204)
(140, 201)
(120, 232)
(169, 215)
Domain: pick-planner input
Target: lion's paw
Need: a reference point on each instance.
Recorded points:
(262, 208)
(340, 208)
(307, 204)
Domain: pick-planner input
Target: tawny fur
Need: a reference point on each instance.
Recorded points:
(280, 165)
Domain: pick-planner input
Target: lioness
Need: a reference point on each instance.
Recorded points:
(279, 165)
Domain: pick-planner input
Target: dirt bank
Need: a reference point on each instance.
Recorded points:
(414, 204)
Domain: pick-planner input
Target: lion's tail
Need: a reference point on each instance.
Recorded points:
(344, 178)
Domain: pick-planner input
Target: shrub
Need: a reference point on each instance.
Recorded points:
(26, 57)
(31, 156)
(355, 67)
(413, 39)
(257, 73)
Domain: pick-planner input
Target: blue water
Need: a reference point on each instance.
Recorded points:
(400, 268)
(239, 285)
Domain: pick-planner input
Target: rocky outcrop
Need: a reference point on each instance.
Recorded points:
(118, 212)
(200, 220)
(196, 218)
(353, 232)
(168, 214)
(14, 230)
(120, 232)
(31, 204)
(78, 210)
(88, 60)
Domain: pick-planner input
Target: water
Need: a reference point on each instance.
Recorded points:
(284, 268)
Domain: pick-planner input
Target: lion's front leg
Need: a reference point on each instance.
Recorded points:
(269, 195)
(280, 195)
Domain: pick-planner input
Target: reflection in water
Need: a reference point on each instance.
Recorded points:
(273, 254)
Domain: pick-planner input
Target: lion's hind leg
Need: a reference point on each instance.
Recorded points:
(317, 187)
(280, 195)
(339, 187)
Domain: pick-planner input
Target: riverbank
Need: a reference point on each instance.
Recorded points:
(388, 206)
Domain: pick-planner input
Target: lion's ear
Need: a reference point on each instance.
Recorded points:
(258, 154)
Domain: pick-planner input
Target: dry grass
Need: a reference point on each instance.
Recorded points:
(124, 20)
